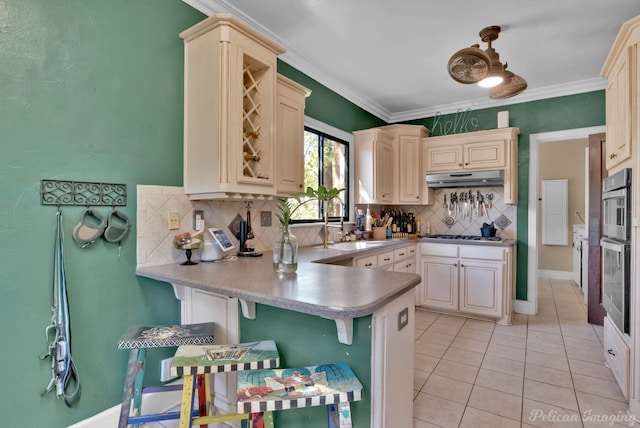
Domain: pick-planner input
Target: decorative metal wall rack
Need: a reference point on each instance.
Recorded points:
(59, 192)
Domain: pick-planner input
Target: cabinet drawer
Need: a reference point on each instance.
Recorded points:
(370, 262)
(616, 355)
(404, 253)
(385, 258)
(439, 250)
(481, 252)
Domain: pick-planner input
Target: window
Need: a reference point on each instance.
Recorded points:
(326, 163)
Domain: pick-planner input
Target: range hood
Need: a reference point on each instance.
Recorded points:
(466, 179)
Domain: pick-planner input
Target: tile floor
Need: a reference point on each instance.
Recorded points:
(545, 370)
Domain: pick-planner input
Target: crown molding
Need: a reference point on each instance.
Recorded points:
(315, 71)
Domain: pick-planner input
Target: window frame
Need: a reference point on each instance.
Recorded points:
(335, 134)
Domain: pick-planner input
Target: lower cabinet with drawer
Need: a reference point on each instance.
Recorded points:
(472, 279)
(616, 355)
(401, 259)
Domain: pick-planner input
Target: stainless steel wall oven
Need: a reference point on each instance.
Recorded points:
(616, 247)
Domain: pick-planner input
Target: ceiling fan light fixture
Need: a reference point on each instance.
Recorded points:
(469, 65)
(491, 80)
(512, 86)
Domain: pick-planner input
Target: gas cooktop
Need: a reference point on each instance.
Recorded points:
(465, 237)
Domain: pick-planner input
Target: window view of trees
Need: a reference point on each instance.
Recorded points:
(326, 161)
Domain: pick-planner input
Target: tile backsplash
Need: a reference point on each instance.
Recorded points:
(155, 241)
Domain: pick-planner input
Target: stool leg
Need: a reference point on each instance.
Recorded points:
(133, 367)
(339, 415)
(137, 391)
(186, 407)
(202, 397)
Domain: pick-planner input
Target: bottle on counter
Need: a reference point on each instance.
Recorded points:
(367, 220)
(428, 228)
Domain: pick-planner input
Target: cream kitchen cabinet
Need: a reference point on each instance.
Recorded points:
(468, 278)
(229, 110)
(399, 259)
(403, 171)
(480, 150)
(622, 112)
(290, 136)
(373, 166)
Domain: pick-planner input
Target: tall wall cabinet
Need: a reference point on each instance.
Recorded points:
(622, 69)
(234, 106)
(388, 167)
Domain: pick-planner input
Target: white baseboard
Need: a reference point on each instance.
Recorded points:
(555, 274)
(524, 307)
(151, 403)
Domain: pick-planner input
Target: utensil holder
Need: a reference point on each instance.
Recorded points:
(379, 233)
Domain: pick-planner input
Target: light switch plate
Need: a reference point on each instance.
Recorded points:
(403, 318)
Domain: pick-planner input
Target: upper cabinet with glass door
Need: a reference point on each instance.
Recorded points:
(229, 110)
(622, 93)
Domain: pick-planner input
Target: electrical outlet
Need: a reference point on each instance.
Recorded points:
(265, 218)
(165, 370)
(198, 220)
(173, 220)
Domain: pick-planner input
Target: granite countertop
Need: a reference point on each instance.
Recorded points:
(317, 288)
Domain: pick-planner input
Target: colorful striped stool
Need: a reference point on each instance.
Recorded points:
(333, 385)
(138, 339)
(190, 361)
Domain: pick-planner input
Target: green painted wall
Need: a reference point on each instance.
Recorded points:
(553, 114)
(90, 90)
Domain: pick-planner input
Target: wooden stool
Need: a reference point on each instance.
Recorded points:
(138, 339)
(333, 385)
(190, 361)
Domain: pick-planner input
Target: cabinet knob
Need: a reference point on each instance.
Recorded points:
(613, 156)
(455, 265)
(461, 265)
(610, 352)
(466, 163)
(300, 186)
(368, 264)
(459, 164)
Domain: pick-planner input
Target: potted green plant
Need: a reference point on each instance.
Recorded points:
(285, 245)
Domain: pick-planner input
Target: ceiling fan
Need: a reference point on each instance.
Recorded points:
(474, 65)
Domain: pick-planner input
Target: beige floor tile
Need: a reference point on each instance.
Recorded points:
(542, 337)
(496, 402)
(547, 348)
(545, 326)
(550, 394)
(592, 406)
(580, 331)
(599, 331)
(506, 352)
(436, 337)
(451, 319)
(548, 375)
(514, 342)
(426, 315)
(425, 363)
(485, 326)
(422, 324)
(546, 360)
(469, 344)
(570, 316)
(582, 343)
(417, 333)
(464, 356)
(417, 423)
(448, 389)
(415, 393)
(436, 410)
(504, 365)
(474, 418)
(479, 335)
(500, 381)
(444, 328)
(511, 330)
(586, 368)
(432, 349)
(419, 379)
(545, 415)
(603, 388)
(457, 371)
(582, 354)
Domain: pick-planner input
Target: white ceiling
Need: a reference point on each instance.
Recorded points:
(390, 57)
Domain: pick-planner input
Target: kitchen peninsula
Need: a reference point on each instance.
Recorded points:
(373, 311)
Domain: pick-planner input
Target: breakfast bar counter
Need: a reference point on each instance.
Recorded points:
(373, 311)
